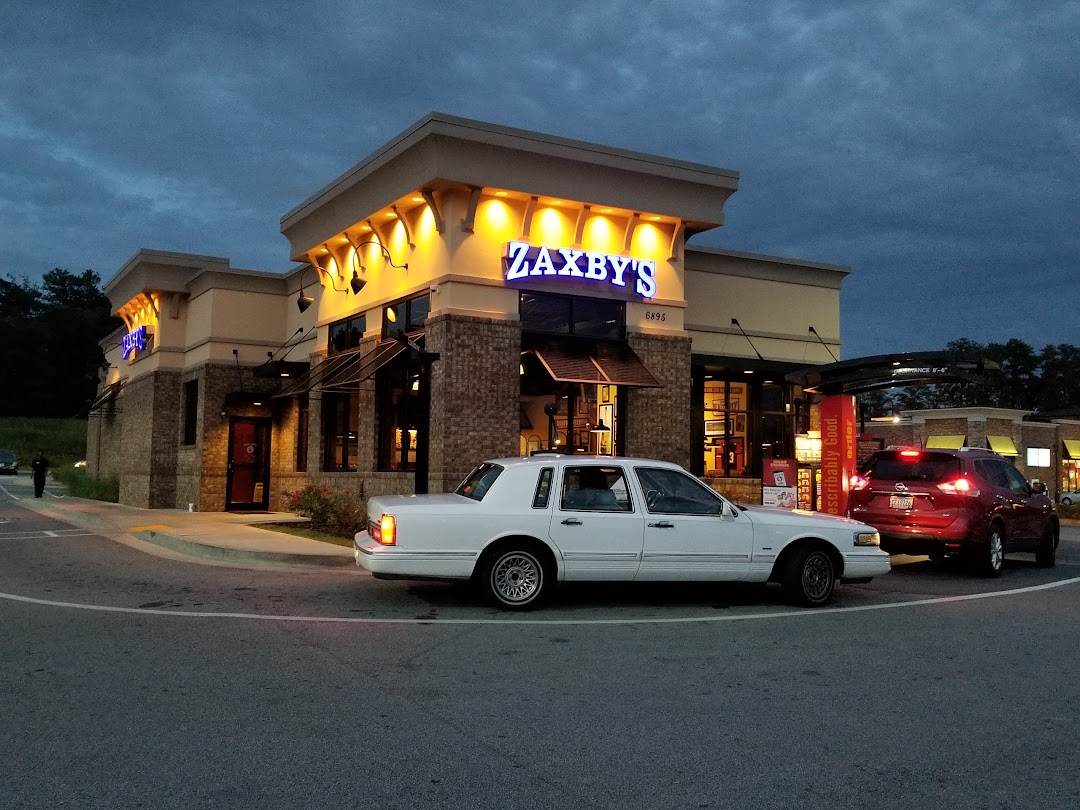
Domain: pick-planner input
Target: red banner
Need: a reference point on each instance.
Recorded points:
(838, 446)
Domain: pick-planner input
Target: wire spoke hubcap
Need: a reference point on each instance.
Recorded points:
(817, 576)
(517, 577)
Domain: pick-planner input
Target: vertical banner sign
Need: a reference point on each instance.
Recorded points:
(838, 445)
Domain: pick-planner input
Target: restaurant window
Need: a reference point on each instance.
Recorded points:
(406, 316)
(346, 334)
(747, 420)
(572, 315)
(191, 411)
(341, 418)
(401, 415)
(301, 433)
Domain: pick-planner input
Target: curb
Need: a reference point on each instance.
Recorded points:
(188, 548)
(224, 554)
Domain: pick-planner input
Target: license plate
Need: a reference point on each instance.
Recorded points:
(901, 501)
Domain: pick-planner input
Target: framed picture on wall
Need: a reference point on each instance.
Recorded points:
(740, 423)
(714, 427)
(734, 403)
(605, 394)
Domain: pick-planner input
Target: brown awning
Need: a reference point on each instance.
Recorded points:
(355, 373)
(600, 364)
(107, 395)
(314, 377)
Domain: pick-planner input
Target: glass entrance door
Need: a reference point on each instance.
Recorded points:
(248, 481)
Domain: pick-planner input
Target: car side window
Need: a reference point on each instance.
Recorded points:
(671, 492)
(543, 488)
(1015, 480)
(595, 488)
(993, 472)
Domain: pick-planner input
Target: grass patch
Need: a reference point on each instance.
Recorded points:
(63, 440)
(83, 485)
(1069, 512)
(300, 530)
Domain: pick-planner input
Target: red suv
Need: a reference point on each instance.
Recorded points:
(946, 503)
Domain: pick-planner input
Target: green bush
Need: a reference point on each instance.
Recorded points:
(1069, 512)
(334, 509)
(82, 485)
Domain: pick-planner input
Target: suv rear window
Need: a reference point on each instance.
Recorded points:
(932, 468)
(479, 481)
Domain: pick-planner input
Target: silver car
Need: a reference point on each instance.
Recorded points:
(1069, 498)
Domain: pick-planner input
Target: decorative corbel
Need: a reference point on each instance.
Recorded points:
(628, 238)
(579, 229)
(526, 220)
(469, 219)
(429, 198)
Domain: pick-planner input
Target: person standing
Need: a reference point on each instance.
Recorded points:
(40, 468)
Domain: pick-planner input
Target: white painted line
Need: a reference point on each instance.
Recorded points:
(49, 534)
(54, 496)
(9, 494)
(805, 613)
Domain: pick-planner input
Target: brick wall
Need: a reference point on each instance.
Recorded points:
(475, 394)
(146, 450)
(659, 418)
(739, 490)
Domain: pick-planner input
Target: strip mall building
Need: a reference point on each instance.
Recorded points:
(468, 291)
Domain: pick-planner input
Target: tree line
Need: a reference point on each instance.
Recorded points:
(1045, 381)
(49, 334)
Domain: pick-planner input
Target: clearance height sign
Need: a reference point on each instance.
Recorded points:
(837, 452)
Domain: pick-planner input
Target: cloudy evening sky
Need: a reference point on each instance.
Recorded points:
(932, 147)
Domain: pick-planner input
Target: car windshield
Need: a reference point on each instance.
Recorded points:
(479, 481)
(933, 468)
(6, 455)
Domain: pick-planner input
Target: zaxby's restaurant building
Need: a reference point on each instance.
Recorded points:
(466, 292)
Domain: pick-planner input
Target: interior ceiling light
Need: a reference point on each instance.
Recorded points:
(654, 219)
(417, 199)
(501, 193)
(605, 210)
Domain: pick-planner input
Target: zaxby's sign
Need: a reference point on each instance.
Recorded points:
(525, 261)
(133, 342)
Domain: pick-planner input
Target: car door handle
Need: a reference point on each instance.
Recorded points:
(663, 524)
(571, 522)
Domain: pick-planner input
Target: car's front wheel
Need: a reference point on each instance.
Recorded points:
(810, 577)
(514, 577)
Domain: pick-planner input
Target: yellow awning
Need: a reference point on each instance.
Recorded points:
(944, 442)
(1002, 445)
(1072, 447)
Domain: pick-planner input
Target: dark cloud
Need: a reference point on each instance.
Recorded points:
(931, 148)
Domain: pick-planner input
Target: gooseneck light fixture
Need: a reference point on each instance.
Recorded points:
(304, 301)
(357, 283)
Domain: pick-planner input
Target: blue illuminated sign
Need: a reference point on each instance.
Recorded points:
(524, 261)
(134, 341)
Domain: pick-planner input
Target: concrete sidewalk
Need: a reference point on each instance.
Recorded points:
(216, 537)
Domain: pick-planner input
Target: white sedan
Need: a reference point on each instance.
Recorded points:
(516, 526)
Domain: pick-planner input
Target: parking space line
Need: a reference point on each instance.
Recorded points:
(786, 614)
(9, 494)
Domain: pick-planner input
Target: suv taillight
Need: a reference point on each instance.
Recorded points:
(961, 486)
(384, 531)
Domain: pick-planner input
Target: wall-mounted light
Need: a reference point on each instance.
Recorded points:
(391, 315)
(357, 283)
(304, 301)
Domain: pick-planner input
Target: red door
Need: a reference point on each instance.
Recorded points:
(248, 480)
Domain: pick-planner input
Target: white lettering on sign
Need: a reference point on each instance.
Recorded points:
(523, 260)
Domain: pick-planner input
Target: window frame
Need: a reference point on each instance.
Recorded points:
(191, 413)
(566, 471)
(333, 462)
(710, 492)
(572, 329)
(356, 321)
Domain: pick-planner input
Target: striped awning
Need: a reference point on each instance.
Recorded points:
(350, 377)
(332, 365)
(107, 395)
(602, 364)
(1072, 447)
(945, 442)
(1003, 445)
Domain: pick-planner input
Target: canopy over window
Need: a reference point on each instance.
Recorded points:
(600, 363)
(1002, 445)
(1072, 447)
(945, 442)
(107, 395)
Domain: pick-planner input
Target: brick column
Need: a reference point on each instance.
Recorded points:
(659, 418)
(475, 394)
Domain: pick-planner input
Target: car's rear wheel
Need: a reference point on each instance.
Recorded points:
(991, 560)
(1067, 501)
(1046, 554)
(810, 577)
(514, 577)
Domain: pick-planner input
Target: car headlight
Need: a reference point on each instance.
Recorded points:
(867, 539)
